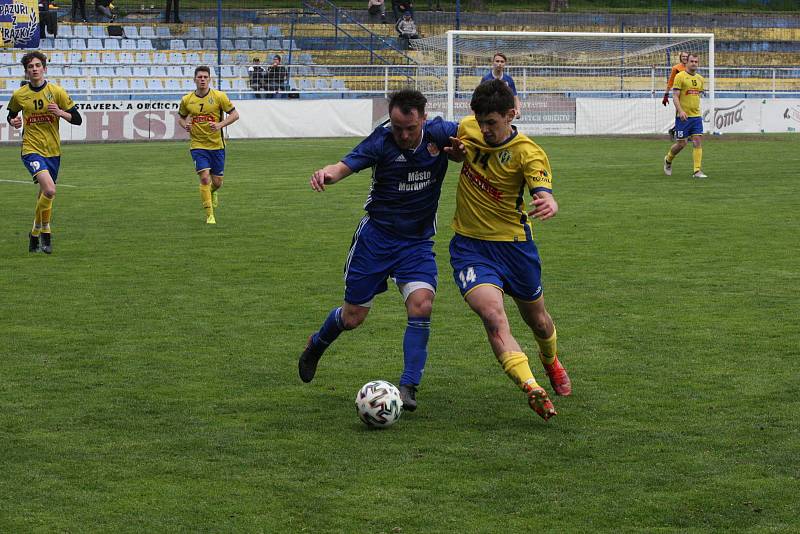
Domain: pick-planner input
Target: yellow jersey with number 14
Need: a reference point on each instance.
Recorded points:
(202, 111)
(691, 87)
(40, 127)
(490, 201)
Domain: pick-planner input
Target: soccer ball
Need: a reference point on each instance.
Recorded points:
(378, 404)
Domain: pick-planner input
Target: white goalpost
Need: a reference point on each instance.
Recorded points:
(568, 82)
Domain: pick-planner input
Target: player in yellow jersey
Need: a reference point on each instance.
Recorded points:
(678, 67)
(42, 105)
(201, 114)
(686, 91)
(492, 252)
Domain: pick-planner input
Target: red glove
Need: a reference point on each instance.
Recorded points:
(665, 100)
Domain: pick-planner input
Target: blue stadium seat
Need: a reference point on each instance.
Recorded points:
(241, 44)
(321, 84)
(239, 84)
(56, 71)
(208, 44)
(105, 71)
(195, 32)
(98, 32)
(273, 44)
(59, 44)
(144, 44)
(141, 72)
(123, 72)
(225, 85)
(46, 43)
(294, 84)
(227, 44)
(67, 83)
(162, 32)
(155, 85)
(112, 44)
(89, 72)
(258, 32)
(129, 44)
(126, 58)
(147, 32)
(138, 84)
(175, 58)
(177, 44)
(173, 85)
(175, 71)
(56, 58)
(274, 31)
(121, 84)
(207, 58)
(193, 44)
(94, 44)
(81, 31)
(159, 58)
(188, 84)
(257, 44)
(227, 71)
(85, 84)
(74, 58)
(338, 83)
(210, 32)
(242, 32)
(77, 44)
(73, 71)
(306, 85)
(131, 32)
(158, 71)
(65, 30)
(6, 58)
(143, 58)
(102, 84)
(290, 44)
(109, 58)
(92, 58)
(192, 58)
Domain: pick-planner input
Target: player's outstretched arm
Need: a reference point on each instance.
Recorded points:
(330, 174)
(544, 206)
(456, 151)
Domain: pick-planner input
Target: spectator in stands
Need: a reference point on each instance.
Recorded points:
(498, 73)
(257, 75)
(407, 29)
(48, 20)
(277, 76)
(377, 7)
(106, 9)
(558, 5)
(173, 6)
(401, 7)
(79, 4)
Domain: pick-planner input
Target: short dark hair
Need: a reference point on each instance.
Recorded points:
(491, 96)
(692, 54)
(30, 56)
(407, 100)
(502, 55)
(277, 56)
(203, 68)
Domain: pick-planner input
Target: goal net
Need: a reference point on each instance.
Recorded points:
(568, 83)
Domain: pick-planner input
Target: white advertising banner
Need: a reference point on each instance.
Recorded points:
(648, 116)
(137, 120)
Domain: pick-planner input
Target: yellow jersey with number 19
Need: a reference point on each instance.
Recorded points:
(203, 110)
(490, 201)
(40, 127)
(691, 87)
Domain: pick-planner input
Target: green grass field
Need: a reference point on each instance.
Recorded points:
(148, 368)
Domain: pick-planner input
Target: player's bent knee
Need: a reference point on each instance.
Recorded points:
(353, 319)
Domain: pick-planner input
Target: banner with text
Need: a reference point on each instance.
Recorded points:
(19, 23)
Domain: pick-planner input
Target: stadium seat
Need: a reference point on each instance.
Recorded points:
(159, 58)
(56, 71)
(131, 32)
(56, 58)
(208, 44)
(92, 58)
(273, 44)
(290, 44)
(195, 32)
(175, 71)
(294, 84)
(129, 44)
(193, 44)
(258, 32)
(6, 58)
(257, 44)
(144, 44)
(192, 58)
(274, 31)
(306, 85)
(177, 44)
(81, 30)
(225, 85)
(102, 84)
(210, 32)
(123, 72)
(158, 71)
(175, 58)
(75, 72)
(227, 71)
(241, 44)
(227, 44)
(121, 84)
(143, 58)
(45, 43)
(65, 30)
(239, 84)
(141, 72)
(306, 59)
(138, 84)
(77, 44)
(89, 72)
(109, 58)
(74, 57)
(5, 72)
(302, 70)
(125, 58)
(162, 32)
(59, 44)
(67, 83)
(155, 85)
(321, 84)
(85, 84)
(105, 71)
(112, 44)
(188, 85)
(98, 32)
(147, 32)
(94, 44)
(242, 32)
(338, 83)
(173, 85)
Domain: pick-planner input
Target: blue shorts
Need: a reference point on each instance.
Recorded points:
(691, 126)
(36, 164)
(213, 160)
(511, 266)
(376, 255)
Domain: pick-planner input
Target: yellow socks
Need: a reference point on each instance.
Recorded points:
(697, 158)
(515, 365)
(205, 196)
(44, 209)
(547, 348)
(669, 156)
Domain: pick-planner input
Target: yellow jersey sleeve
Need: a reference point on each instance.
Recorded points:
(490, 199)
(691, 87)
(225, 102)
(40, 134)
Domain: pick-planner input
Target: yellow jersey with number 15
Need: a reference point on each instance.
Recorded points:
(202, 111)
(40, 127)
(490, 201)
(691, 87)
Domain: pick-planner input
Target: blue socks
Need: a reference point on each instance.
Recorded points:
(329, 331)
(415, 349)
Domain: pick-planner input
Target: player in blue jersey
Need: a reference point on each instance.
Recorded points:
(498, 73)
(394, 239)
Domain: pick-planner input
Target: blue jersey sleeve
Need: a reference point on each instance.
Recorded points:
(367, 153)
(511, 85)
(442, 130)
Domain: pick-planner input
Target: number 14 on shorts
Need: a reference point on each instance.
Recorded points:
(467, 276)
